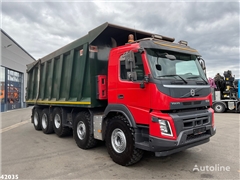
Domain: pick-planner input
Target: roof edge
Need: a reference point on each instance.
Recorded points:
(17, 44)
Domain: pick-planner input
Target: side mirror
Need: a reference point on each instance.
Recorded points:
(129, 60)
(202, 63)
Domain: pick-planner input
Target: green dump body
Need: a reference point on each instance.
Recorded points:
(68, 76)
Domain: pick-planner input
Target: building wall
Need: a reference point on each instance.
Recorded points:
(14, 57)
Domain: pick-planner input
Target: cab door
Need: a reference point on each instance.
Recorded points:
(129, 92)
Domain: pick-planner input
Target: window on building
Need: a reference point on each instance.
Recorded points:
(14, 86)
(2, 84)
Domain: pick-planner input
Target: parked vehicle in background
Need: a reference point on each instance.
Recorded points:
(226, 94)
(150, 94)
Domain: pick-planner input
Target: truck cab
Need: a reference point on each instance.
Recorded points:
(162, 88)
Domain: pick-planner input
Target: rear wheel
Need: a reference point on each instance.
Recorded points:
(36, 119)
(58, 127)
(47, 126)
(81, 131)
(219, 107)
(120, 142)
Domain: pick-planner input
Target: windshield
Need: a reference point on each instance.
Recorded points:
(183, 67)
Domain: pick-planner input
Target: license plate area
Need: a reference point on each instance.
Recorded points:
(199, 131)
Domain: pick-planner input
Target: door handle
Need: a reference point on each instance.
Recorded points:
(120, 96)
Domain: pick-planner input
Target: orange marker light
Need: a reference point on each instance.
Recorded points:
(130, 38)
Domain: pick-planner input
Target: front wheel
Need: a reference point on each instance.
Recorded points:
(120, 142)
(219, 107)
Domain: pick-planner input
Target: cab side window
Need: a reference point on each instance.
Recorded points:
(138, 68)
(123, 70)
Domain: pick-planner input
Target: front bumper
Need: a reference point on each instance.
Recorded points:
(185, 140)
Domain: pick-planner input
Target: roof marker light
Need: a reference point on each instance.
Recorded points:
(182, 42)
(156, 36)
(130, 38)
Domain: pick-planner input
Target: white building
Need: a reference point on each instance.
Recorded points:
(13, 76)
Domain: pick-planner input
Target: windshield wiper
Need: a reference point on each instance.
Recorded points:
(194, 77)
(172, 75)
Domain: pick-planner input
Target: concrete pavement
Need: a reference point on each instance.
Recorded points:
(30, 154)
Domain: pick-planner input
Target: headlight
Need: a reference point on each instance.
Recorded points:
(165, 127)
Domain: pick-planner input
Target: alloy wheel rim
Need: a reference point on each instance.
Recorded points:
(81, 130)
(44, 121)
(118, 140)
(35, 118)
(219, 107)
(57, 121)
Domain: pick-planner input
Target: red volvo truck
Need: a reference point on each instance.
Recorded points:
(142, 94)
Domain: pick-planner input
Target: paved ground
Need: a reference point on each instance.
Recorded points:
(30, 154)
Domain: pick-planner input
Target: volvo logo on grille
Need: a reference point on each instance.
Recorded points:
(192, 92)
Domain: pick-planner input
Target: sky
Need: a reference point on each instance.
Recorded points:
(211, 27)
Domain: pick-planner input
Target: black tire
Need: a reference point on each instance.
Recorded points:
(81, 131)
(238, 109)
(46, 123)
(219, 107)
(119, 131)
(36, 119)
(58, 127)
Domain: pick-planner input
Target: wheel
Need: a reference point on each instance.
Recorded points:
(46, 124)
(219, 107)
(120, 142)
(238, 109)
(58, 127)
(36, 119)
(81, 131)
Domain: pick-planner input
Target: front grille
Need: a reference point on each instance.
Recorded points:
(191, 102)
(192, 137)
(187, 103)
(195, 122)
(197, 102)
(190, 119)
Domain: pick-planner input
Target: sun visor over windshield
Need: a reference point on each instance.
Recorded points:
(168, 46)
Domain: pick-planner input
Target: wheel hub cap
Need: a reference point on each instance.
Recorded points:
(118, 140)
(35, 118)
(81, 130)
(219, 107)
(57, 121)
(44, 121)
